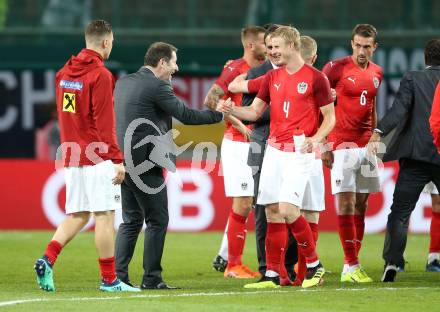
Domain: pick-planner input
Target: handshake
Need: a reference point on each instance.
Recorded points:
(225, 106)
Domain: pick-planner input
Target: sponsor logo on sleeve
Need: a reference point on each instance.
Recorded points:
(73, 85)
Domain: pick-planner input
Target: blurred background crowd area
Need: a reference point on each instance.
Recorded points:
(38, 36)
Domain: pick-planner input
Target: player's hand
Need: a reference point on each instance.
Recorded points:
(333, 91)
(245, 131)
(373, 144)
(120, 174)
(308, 145)
(225, 107)
(327, 159)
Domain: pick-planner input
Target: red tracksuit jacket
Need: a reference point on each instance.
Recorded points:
(84, 96)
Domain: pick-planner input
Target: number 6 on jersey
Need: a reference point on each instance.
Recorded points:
(363, 99)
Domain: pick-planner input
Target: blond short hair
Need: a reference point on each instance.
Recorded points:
(290, 35)
(251, 33)
(308, 47)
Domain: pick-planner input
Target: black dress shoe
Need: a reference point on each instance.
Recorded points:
(129, 283)
(389, 273)
(161, 285)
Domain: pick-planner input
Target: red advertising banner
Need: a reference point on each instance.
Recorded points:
(33, 195)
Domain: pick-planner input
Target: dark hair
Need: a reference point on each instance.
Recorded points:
(364, 30)
(432, 52)
(97, 29)
(158, 51)
(270, 28)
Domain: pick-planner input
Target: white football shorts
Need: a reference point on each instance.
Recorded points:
(90, 188)
(237, 175)
(314, 195)
(284, 176)
(430, 188)
(354, 171)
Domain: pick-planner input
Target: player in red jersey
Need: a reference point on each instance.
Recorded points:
(297, 94)
(356, 80)
(313, 202)
(238, 180)
(91, 156)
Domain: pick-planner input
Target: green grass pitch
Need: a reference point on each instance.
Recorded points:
(187, 263)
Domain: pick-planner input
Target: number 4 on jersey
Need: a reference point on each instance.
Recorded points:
(286, 106)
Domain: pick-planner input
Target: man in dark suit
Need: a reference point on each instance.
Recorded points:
(145, 104)
(412, 144)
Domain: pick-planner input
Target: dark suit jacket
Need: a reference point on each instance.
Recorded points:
(260, 130)
(410, 114)
(142, 95)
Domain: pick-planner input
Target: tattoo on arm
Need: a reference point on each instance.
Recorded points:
(213, 96)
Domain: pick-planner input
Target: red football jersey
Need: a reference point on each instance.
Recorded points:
(295, 100)
(434, 120)
(356, 91)
(232, 70)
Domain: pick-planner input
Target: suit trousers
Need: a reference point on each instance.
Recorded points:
(412, 178)
(139, 207)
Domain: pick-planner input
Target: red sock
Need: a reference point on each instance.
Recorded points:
(52, 251)
(314, 228)
(347, 234)
(236, 238)
(359, 224)
(434, 245)
(275, 245)
(304, 238)
(283, 272)
(107, 268)
(302, 267)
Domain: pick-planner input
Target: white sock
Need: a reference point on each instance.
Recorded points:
(345, 268)
(270, 273)
(223, 252)
(433, 256)
(351, 268)
(313, 264)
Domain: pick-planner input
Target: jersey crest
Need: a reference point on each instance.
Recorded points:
(302, 87)
(376, 82)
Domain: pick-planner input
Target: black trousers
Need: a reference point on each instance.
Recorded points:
(137, 207)
(413, 175)
(255, 161)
